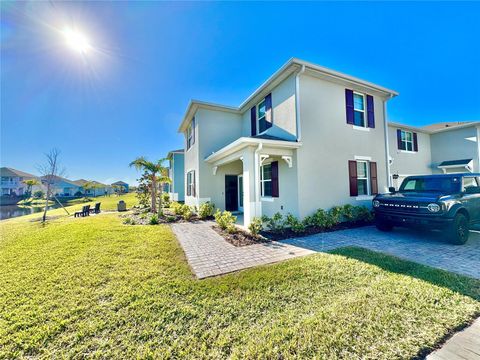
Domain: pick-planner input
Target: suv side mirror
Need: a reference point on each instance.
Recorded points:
(392, 189)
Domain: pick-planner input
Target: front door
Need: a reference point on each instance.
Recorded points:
(231, 193)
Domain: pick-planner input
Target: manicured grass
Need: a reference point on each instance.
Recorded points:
(92, 287)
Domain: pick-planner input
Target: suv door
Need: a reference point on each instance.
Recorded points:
(472, 199)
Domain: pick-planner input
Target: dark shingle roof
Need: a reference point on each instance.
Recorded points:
(461, 162)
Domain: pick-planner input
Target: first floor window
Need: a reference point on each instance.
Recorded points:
(266, 180)
(406, 140)
(359, 109)
(191, 183)
(362, 177)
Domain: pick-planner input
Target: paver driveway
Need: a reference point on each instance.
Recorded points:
(422, 247)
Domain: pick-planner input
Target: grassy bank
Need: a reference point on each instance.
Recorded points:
(94, 287)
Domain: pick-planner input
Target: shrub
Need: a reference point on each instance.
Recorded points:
(78, 193)
(165, 200)
(336, 213)
(321, 218)
(129, 221)
(187, 212)
(170, 219)
(255, 226)
(275, 223)
(362, 213)
(206, 210)
(294, 224)
(153, 219)
(225, 220)
(348, 212)
(38, 194)
(176, 207)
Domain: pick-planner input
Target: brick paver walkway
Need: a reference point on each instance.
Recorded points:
(209, 254)
(422, 247)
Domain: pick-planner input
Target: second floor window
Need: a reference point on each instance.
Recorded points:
(359, 109)
(406, 140)
(262, 116)
(191, 134)
(266, 180)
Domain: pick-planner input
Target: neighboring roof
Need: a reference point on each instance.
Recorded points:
(6, 171)
(290, 67)
(119, 183)
(435, 128)
(80, 182)
(462, 162)
(59, 178)
(443, 125)
(170, 153)
(243, 142)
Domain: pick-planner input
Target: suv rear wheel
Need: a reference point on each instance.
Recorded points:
(459, 230)
(383, 225)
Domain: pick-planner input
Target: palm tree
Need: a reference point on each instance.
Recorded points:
(30, 183)
(88, 185)
(156, 172)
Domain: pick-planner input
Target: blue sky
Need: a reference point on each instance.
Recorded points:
(127, 96)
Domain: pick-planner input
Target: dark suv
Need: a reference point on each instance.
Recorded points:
(449, 202)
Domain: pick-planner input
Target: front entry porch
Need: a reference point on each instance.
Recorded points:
(243, 191)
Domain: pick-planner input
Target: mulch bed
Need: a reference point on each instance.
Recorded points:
(142, 217)
(241, 237)
(312, 230)
(244, 238)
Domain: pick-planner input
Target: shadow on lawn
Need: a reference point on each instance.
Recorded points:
(459, 283)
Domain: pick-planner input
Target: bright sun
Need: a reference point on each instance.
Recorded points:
(77, 41)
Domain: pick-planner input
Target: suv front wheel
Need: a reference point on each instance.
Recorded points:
(459, 230)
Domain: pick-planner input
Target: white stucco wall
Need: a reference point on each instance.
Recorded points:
(410, 163)
(453, 145)
(329, 143)
(283, 112)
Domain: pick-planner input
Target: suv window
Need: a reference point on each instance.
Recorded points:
(447, 185)
(469, 182)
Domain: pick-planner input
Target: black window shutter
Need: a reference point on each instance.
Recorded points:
(268, 111)
(188, 183)
(370, 112)
(275, 187)
(253, 120)
(415, 142)
(373, 178)
(194, 184)
(349, 104)
(352, 175)
(193, 131)
(399, 139)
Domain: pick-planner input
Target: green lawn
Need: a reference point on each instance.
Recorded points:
(92, 287)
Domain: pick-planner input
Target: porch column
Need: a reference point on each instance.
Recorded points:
(249, 199)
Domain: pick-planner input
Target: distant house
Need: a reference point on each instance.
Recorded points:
(99, 189)
(176, 173)
(62, 187)
(123, 186)
(12, 181)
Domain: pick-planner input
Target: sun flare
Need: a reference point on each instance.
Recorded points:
(76, 41)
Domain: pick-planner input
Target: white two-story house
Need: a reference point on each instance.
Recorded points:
(308, 138)
(434, 149)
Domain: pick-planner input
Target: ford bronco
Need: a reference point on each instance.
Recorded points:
(448, 202)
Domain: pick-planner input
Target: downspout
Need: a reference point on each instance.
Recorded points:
(387, 145)
(478, 150)
(297, 102)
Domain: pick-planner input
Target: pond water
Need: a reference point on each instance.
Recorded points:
(10, 211)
